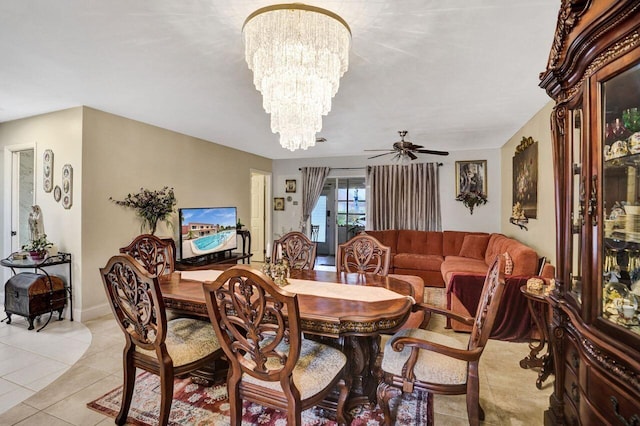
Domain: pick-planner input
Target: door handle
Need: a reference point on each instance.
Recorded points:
(14, 233)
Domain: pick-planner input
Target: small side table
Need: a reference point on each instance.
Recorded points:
(41, 266)
(246, 244)
(538, 306)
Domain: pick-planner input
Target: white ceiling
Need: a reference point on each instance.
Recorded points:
(457, 74)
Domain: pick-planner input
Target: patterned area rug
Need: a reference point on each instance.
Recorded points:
(197, 405)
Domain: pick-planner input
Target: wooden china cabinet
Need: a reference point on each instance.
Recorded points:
(593, 74)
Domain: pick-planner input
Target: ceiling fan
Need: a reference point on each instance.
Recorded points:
(403, 149)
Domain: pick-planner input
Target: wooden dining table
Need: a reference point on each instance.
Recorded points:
(352, 325)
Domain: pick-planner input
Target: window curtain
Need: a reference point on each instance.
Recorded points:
(312, 183)
(404, 197)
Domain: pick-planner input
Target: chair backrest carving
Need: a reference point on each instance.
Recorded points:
(134, 296)
(247, 310)
(299, 250)
(364, 254)
(492, 292)
(155, 254)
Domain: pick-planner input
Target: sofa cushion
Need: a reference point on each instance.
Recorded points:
(422, 242)
(474, 246)
(458, 264)
(387, 237)
(508, 263)
(428, 262)
(525, 259)
(452, 241)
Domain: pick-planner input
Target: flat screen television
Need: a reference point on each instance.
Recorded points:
(205, 231)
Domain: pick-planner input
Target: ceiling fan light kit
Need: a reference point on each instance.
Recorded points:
(297, 53)
(405, 149)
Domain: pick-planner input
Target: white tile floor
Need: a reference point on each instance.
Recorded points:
(30, 361)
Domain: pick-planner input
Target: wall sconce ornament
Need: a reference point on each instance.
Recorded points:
(518, 216)
(472, 199)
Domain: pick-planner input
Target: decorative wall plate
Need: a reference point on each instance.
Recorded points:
(57, 193)
(67, 186)
(47, 170)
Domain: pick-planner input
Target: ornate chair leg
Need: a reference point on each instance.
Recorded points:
(166, 396)
(385, 393)
(474, 410)
(127, 389)
(294, 416)
(235, 403)
(342, 416)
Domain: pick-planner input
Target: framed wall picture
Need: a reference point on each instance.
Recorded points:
(525, 177)
(47, 170)
(67, 186)
(471, 176)
(290, 185)
(278, 203)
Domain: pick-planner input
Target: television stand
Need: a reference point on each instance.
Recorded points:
(227, 256)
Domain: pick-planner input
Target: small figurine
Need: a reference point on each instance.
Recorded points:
(613, 275)
(518, 212)
(36, 223)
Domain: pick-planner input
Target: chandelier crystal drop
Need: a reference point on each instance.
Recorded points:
(297, 54)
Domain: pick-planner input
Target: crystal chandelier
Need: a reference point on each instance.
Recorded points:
(297, 54)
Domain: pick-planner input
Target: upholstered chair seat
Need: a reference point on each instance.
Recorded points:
(316, 368)
(187, 340)
(431, 366)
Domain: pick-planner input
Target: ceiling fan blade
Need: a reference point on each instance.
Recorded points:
(412, 155)
(415, 147)
(390, 150)
(380, 155)
(430, 151)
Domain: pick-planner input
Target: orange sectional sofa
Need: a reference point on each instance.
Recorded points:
(460, 260)
(437, 256)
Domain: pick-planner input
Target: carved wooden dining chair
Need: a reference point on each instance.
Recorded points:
(166, 348)
(367, 255)
(417, 359)
(364, 254)
(155, 254)
(271, 364)
(297, 249)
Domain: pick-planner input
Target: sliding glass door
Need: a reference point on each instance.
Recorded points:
(338, 216)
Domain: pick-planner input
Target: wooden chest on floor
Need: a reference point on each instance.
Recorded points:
(30, 295)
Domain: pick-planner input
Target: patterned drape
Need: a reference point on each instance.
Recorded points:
(312, 183)
(404, 197)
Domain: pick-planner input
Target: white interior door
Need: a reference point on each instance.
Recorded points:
(21, 196)
(20, 188)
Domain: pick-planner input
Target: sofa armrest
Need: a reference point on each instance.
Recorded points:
(548, 272)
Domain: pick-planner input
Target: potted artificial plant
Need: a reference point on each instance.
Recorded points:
(38, 248)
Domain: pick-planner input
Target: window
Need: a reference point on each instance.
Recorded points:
(351, 206)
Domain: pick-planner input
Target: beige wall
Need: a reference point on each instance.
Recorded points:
(61, 132)
(111, 157)
(542, 230)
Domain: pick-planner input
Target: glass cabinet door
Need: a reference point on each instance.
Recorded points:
(620, 256)
(577, 209)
